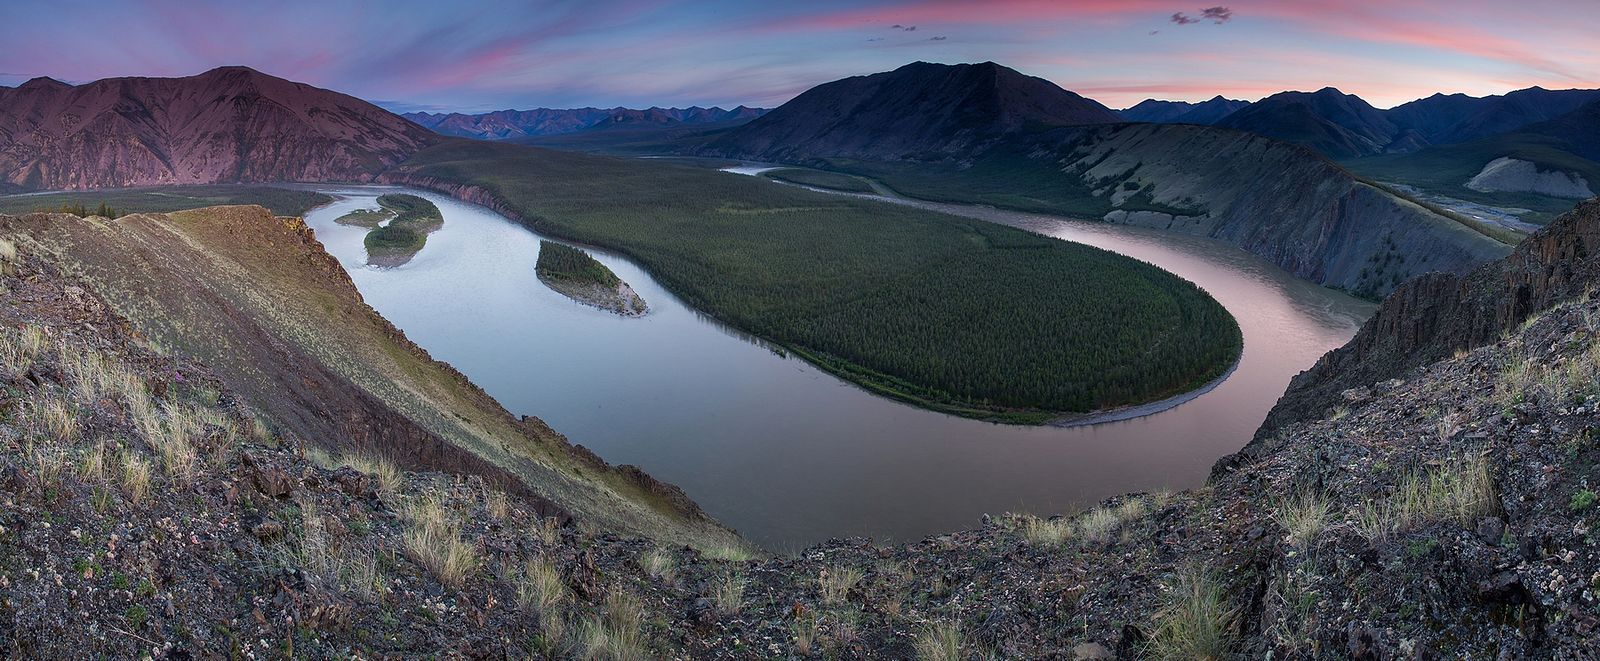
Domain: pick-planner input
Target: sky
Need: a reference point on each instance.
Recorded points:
(479, 56)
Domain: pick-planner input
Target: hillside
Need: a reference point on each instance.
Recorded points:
(919, 111)
(230, 124)
(1444, 510)
(514, 124)
(278, 322)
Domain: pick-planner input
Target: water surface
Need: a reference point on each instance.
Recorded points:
(790, 455)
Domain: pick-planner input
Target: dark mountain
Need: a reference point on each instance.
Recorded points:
(919, 110)
(230, 124)
(1336, 124)
(515, 124)
(1211, 111)
(1155, 111)
(1447, 119)
(1182, 112)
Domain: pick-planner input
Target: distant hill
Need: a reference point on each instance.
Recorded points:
(517, 124)
(1182, 112)
(230, 124)
(1336, 124)
(1447, 119)
(919, 110)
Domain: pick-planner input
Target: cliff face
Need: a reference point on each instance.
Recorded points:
(1434, 316)
(1275, 200)
(226, 125)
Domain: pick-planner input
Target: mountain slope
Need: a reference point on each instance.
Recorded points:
(1155, 110)
(1442, 119)
(230, 124)
(919, 110)
(514, 124)
(1333, 123)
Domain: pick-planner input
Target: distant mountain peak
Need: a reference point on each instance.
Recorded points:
(43, 82)
(918, 110)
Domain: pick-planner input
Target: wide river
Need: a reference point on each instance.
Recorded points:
(785, 453)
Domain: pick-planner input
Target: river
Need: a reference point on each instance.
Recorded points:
(785, 453)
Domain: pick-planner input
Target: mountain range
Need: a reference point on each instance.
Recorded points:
(230, 124)
(1210, 111)
(513, 124)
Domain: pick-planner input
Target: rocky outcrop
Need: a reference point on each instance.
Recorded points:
(1510, 175)
(1434, 316)
(231, 124)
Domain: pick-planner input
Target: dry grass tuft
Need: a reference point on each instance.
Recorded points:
(135, 476)
(1195, 621)
(940, 641)
(835, 584)
(1303, 516)
(433, 539)
(540, 586)
(1460, 490)
(20, 349)
(659, 564)
(728, 592)
(334, 562)
(727, 553)
(618, 635)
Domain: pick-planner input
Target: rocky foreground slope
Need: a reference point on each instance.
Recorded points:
(230, 124)
(1442, 509)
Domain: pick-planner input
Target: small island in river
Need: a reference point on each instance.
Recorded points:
(399, 240)
(576, 275)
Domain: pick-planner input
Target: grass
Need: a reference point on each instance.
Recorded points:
(164, 199)
(334, 562)
(385, 472)
(727, 591)
(1093, 526)
(1459, 490)
(941, 311)
(539, 586)
(136, 476)
(1195, 621)
(659, 564)
(727, 553)
(433, 540)
(19, 349)
(834, 584)
(1303, 517)
(940, 641)
(368, 218)
(617, 635)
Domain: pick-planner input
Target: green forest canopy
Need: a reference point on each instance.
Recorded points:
(954, 314)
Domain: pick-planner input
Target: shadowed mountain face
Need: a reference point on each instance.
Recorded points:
(1442, 119)
(1336, 124)
(1182, 112)
(230, 124)
(917, 111)
(513, 124)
